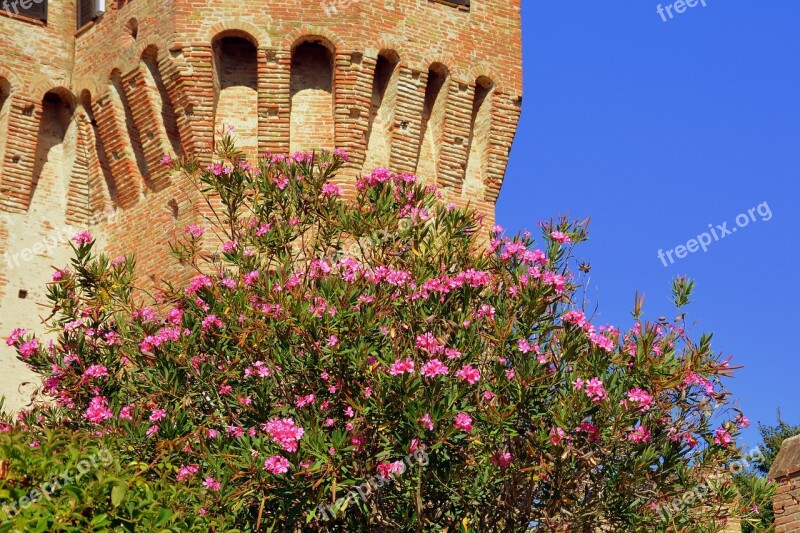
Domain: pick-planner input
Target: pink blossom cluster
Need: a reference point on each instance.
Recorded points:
(284, 432)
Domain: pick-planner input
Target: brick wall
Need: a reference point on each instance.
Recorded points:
(786, 472)
(393, 82)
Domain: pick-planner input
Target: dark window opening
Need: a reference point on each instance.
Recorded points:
(32, 9)
(455, 3)
(88, 10)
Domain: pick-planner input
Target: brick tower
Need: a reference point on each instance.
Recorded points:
(93, 93)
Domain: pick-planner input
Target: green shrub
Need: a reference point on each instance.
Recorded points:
(373, 364)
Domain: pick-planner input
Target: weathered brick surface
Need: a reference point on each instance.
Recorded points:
(154, 77)
(786, 472)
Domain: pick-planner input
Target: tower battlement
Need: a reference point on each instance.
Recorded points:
(93, 94)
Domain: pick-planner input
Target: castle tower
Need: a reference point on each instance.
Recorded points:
(93, 93)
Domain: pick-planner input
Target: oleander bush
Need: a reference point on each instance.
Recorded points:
(380, 363)
(74, 481)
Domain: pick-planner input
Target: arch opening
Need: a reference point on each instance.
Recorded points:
(55, 151)
(311, 93)
(236, 91)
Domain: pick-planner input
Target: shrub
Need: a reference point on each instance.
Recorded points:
(74, 481)
(379, 364)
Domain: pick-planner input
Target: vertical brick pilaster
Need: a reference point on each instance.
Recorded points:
(142, 99)
(122, 163)
(353, 76)
(189, 81)
(20, 156)
(274, 106)
(101, 186)
(455, 144)
(408, 119)
(78, 201)
(505, 116)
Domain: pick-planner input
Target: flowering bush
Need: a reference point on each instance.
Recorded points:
(319, 341)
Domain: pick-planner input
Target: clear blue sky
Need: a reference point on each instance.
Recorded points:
(656, 129)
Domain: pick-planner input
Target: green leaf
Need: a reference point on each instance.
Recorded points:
(118, 494)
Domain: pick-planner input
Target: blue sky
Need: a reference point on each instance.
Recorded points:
(656, 130)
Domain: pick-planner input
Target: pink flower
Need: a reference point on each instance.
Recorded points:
(463, 422)
(429, 343)
(591, 429)
(29, 348)
(125, 412)
(434, 368)
(82, 238)
(695, 379)
(640, 397)
(262, 230)
(152, 430)
(560, 237)
(427, 422)
(166, 160)
(198, 283)
(276, 465)
(95, 371)
(157, 414)
(402, 367)
(595, 390)
(58, 275)
(330, 189)
(13, 339)
(112, 339)
(211, 321)
(185, 472)
(259, 369)
(469, 374)
(742, 421)
(502, 459)
(212, 484)
(387, 469)
(722, 437)
(229, 246)
(251, 277)
(557, 435)
(284, 432)
(575, 317)
(302, 401)
(195, 231)
(98, 410)
(175, 316)
(641, 435)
